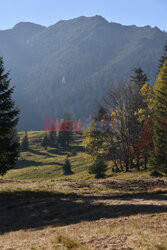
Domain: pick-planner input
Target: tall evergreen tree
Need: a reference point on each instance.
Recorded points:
(52, 138)
(25, 142)
(139, 78)
(163, 57)
(159, 158)
(136, 104)
(94, 137)
(9, 146)
(65, 137)
(45, 141)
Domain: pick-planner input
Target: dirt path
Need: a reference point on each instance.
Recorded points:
(122, 185)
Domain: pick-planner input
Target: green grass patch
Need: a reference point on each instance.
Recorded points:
(38, 164)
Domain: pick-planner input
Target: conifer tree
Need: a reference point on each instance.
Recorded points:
(139, 78)
(159, 157)
(52, 138)
(9, 146)
(98, 168)
(67, 167)
(136, 104)
(94, 136)
(45, 141)
(65, 137)
(163, 57)
(94, 144)
(25, 142)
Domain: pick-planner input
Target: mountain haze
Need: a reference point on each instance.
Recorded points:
(69, 66)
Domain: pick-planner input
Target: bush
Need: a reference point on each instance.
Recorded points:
(67, 242)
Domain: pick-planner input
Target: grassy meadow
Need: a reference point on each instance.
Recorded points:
(43, 209)
(40, 164)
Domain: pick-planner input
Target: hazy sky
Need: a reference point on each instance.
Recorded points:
(48, 12)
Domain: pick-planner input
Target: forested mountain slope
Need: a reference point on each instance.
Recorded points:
(69, 66)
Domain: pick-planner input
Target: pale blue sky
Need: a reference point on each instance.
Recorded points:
(48, 12)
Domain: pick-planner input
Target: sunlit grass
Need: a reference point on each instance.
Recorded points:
(40, 164)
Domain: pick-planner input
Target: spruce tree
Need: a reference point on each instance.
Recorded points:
(9, 146)
(45, 141)
(25, 142)
(98, 168)
(159, 157)
(65, 138)
(136, 103)
(52, 138)
(139, 78)
(67, 167)
(163, 57)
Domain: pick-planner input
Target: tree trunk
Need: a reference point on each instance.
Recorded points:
(126, 166)
(145, 162)
(138, 163)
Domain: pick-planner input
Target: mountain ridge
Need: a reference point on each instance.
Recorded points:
(99, 17)
(68, 66)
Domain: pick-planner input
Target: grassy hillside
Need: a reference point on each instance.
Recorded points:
(42, 209)
(40, 164)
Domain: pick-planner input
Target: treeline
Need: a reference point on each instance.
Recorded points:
(55, 139)
(137, 136)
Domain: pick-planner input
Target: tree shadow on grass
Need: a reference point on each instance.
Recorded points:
(39, 152)
(57, 151)
(73, 150)
(77, 148)
(34, 210)
(29, 163)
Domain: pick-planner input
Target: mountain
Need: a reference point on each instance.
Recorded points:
(69, 66)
